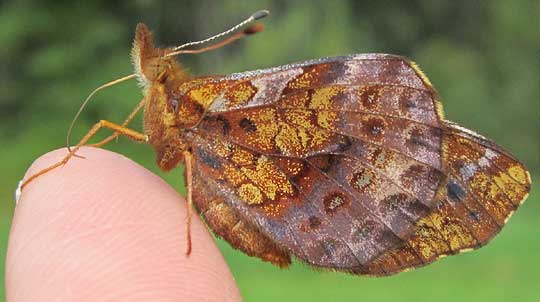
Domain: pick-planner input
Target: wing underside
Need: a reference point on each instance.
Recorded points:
(347, 164)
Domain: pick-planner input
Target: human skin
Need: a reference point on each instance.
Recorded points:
(103, 228)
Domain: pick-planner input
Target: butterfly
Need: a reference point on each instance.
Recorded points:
(346, 163)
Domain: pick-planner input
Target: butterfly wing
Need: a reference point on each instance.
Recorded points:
(485, 186)
(227, 224)
(334, 160)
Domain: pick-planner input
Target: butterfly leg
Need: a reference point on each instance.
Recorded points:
(124, 124)
(132, 134)
(189, 187)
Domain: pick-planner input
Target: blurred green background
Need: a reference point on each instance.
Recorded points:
(483, 57)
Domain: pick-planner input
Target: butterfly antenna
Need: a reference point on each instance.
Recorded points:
(178, 50)
(88, 98)
(255, 16)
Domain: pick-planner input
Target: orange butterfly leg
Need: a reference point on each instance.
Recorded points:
(124, 124)
(189, 187)
(132, 134)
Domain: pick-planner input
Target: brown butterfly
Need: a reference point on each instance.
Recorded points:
(346, 162)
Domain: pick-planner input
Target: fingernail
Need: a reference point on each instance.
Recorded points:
(18, 192)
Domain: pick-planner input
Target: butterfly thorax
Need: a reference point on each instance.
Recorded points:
(168, 112)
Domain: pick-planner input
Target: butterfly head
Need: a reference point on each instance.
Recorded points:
(152, 64)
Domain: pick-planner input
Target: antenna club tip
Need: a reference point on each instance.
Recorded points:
(253, 29)
(260, 14)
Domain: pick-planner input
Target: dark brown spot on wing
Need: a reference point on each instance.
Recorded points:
(369, 96)
(314, 222)
(381, 158)
(455, 191)
(362, 179)
(218, 122)
(334, 202)
(323, 162)
(373, 127)
(247, 125)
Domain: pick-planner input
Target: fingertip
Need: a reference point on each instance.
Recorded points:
(104, 226)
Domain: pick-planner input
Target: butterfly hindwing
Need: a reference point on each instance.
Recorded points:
(485, 186)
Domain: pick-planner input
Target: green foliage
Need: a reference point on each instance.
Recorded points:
(483, 57)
